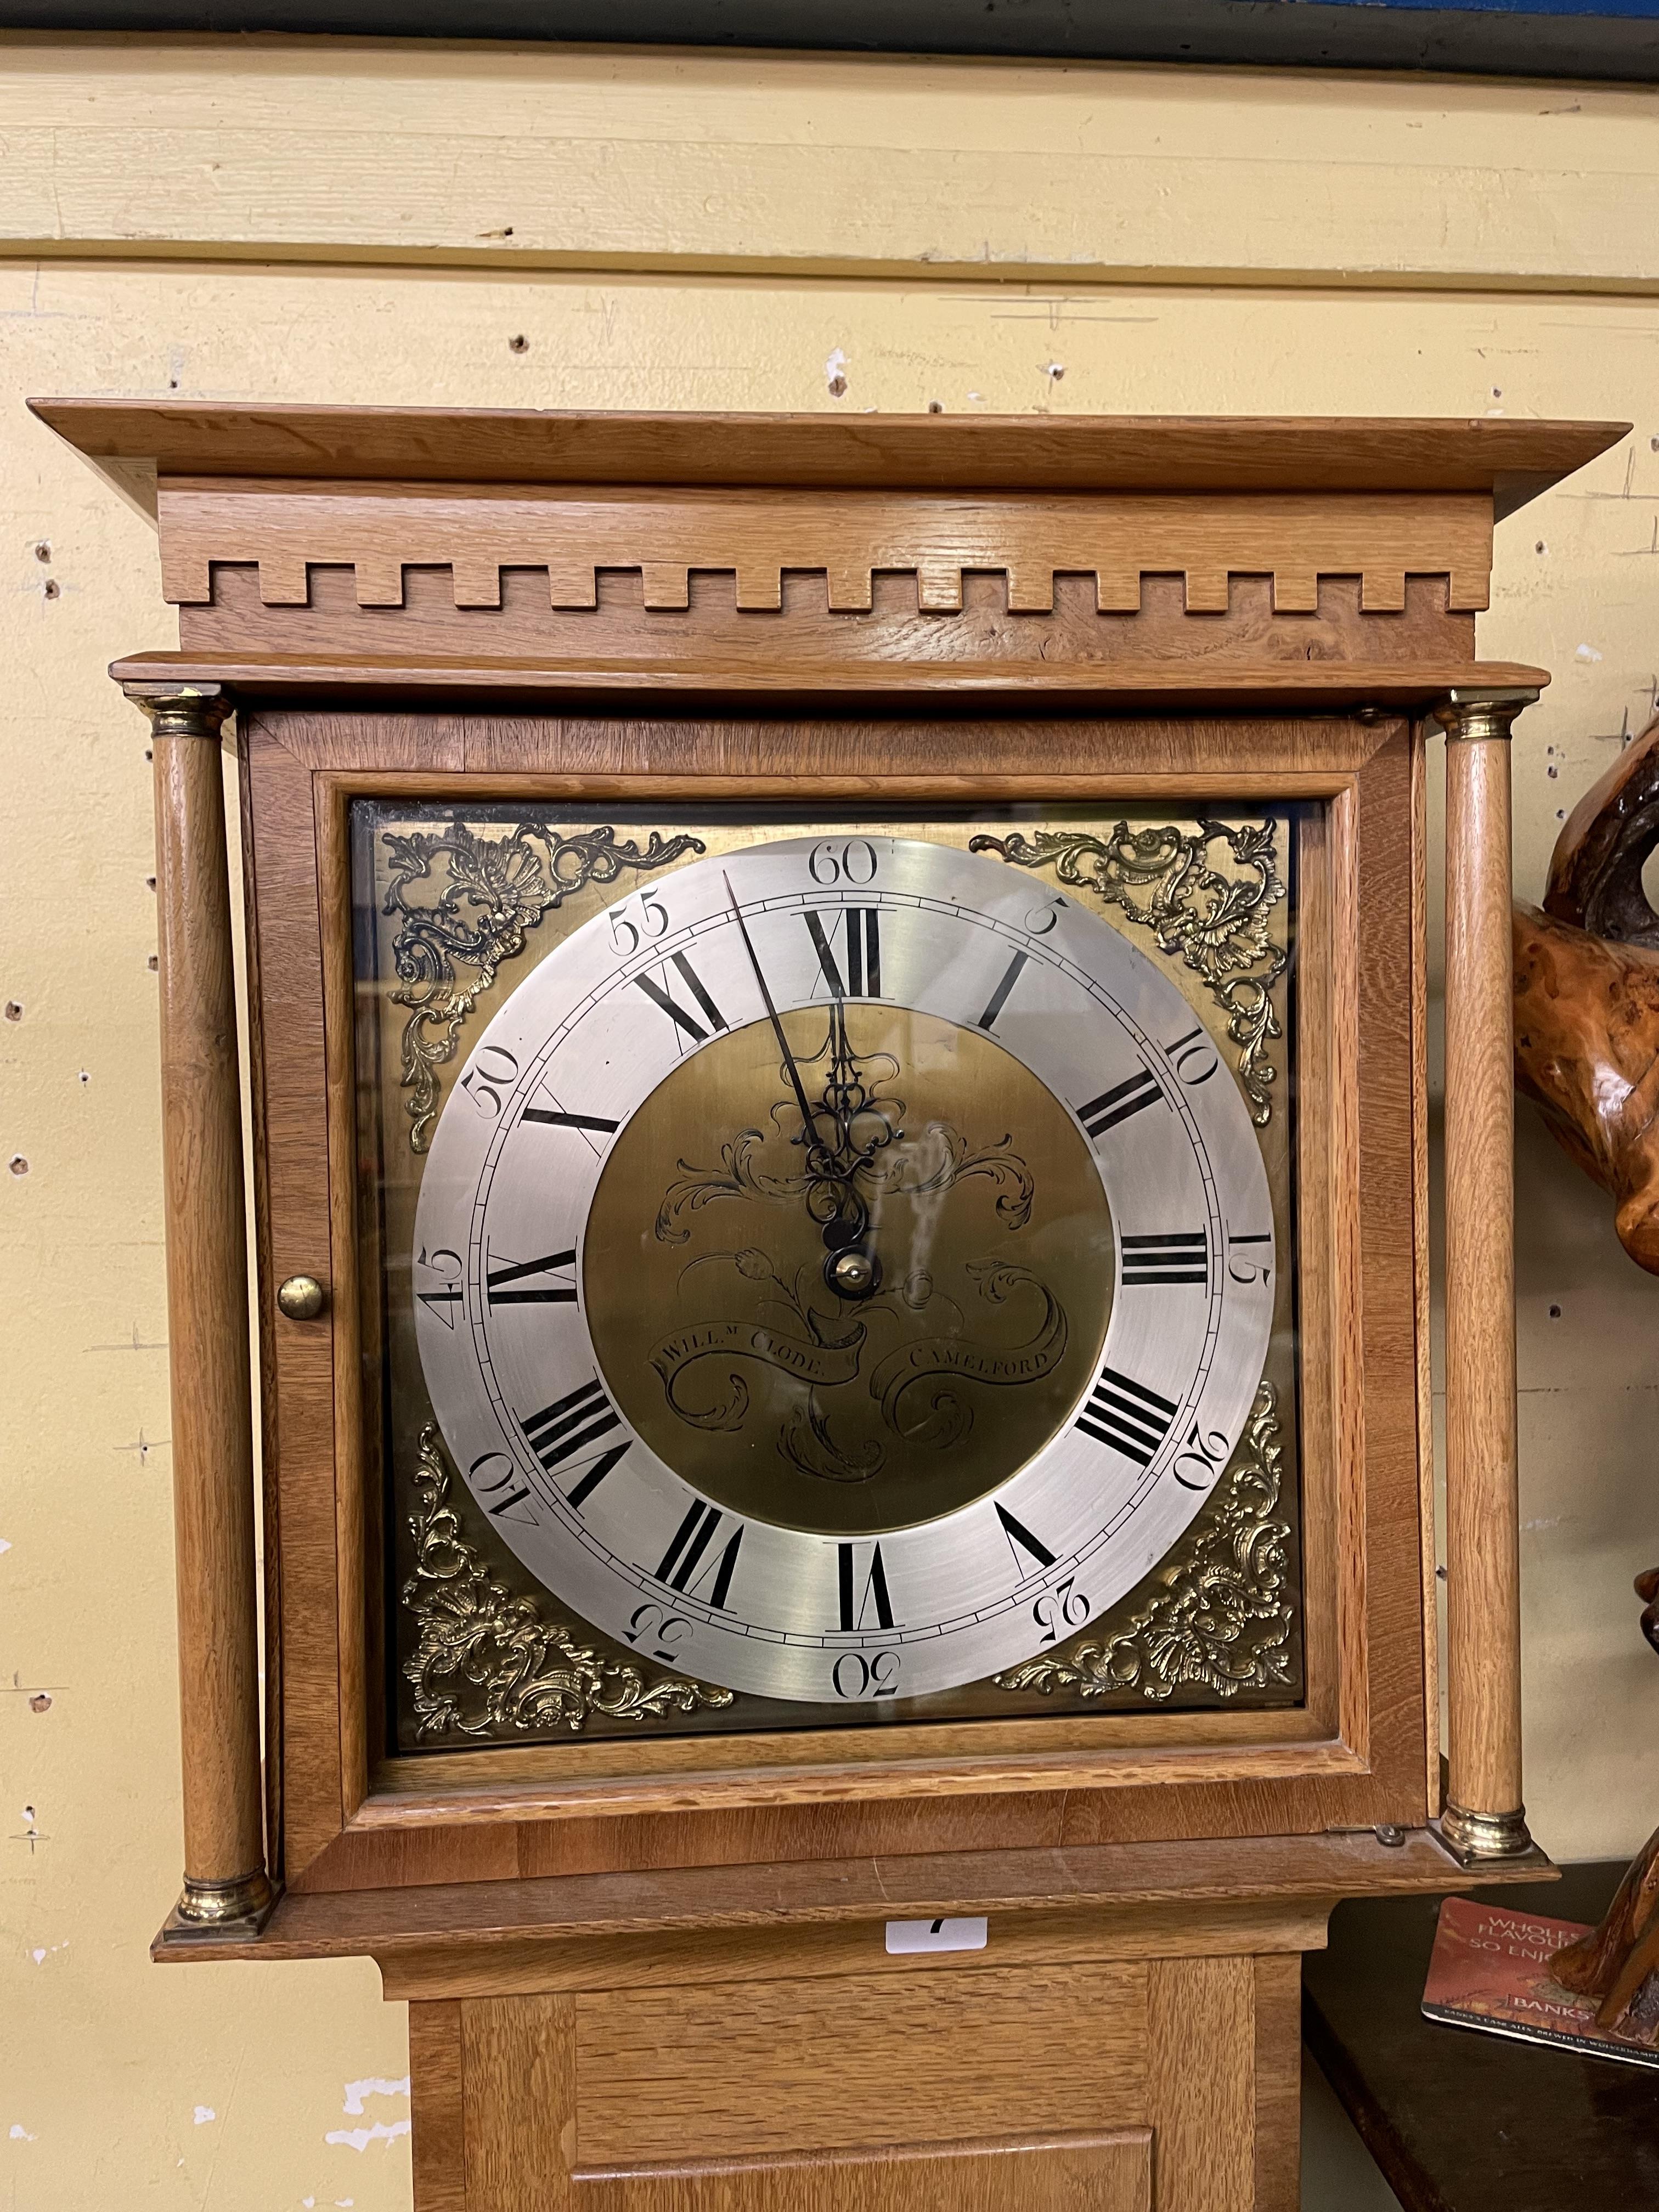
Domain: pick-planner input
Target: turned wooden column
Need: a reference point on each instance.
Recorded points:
(225, 1880)
(1485, 1816)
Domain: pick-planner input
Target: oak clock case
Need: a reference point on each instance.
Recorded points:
(827, 1270)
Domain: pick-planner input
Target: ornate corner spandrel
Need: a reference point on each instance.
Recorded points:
(1219, 926)
(1222, 1614)
(490, 893)
(488, 1663)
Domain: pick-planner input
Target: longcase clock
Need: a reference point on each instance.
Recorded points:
(837, 1035)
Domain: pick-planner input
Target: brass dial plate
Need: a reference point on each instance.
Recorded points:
(623, 1530)
(961, 1343)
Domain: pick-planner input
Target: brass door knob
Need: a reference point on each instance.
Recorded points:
(302, 1297)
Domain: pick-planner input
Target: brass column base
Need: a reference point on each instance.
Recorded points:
(242, 1904)
(1473, 1838)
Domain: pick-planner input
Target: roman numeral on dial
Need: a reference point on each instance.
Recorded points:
(695, 1535)
(1020, 1539)
(856, 1606)
(1126, 1415)
(863, 951)
(1118, 1104)
(661, 995)
(998, 997)
(561, 1120)
(560, 1431)
(511, 1286)
(1180, 1256)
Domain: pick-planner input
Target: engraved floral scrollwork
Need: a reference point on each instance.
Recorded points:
(1221, 1617)
(490, 892)
(487, 1661)
(1217, 924)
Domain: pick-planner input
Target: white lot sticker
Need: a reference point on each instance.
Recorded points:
(937, 1935)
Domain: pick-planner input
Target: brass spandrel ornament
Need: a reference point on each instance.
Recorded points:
(490, 1662)
(483, 895)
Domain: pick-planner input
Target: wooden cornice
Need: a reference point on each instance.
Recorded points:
(1511, 460)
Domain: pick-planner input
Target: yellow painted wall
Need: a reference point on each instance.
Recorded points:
(270, 219)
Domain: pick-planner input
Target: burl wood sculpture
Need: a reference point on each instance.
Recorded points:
(1587, 1052)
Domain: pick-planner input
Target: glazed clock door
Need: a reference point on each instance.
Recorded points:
(840, 1270)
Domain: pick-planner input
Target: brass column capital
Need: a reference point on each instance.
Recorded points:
(1468, 715)
(181, 710)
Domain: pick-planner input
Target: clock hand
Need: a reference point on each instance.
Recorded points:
(850, 1222)
(809, 1127)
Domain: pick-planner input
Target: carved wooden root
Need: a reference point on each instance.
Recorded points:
(1587, 1050)
(1617, 1962)
(1587, 995)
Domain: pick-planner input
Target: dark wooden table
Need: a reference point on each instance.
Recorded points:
(1462, 2122)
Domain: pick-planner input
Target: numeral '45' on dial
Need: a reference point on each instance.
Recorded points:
(863, 952)
(1126, 1415)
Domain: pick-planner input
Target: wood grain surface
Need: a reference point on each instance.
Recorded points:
(1240, 1870)
(1164, 619)
(647, 545)
(1355, 1756)
(1207, 686)
(1483, 1544)
(1079, 2173)
(212, 1445)
(1133, 452)
(852, 2063)
(1202, 2107)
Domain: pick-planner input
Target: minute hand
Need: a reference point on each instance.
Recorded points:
(808, 1127)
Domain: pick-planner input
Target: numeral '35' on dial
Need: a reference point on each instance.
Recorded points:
(863, 952)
